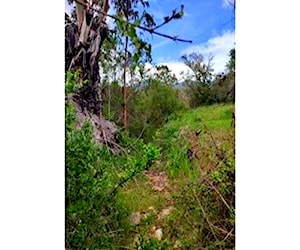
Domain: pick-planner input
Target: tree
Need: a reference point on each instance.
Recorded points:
(164, 75)
(88, 33)
(85, 33)
(198, 85)
(224, 84)
(201, 71)
(231, 64)
(152, 105)
(231, 75)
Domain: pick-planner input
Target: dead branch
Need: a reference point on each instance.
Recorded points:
(204, 214)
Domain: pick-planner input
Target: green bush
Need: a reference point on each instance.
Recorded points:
(148, 107)
(95, 219)
(90, 209)
(152, 107)
(220, 91)
(93, 176)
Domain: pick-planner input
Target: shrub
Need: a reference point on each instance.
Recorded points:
(152, 107)
(94, 218)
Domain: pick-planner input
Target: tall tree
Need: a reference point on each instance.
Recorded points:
(202, 71)
(84, 38)
(198, 85)
(231, 64)
(85, 32)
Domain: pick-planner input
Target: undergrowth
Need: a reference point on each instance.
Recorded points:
(198, 155)
(94, 217)
(195, 149)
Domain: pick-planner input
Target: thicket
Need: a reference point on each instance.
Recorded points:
(148, 106)
(202, 88)
(94, 218)
(221, 90)
(202, 186)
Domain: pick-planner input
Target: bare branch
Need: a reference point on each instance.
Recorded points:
(151, 31)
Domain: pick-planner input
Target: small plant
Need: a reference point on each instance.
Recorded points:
(150, 244)
(72, 83)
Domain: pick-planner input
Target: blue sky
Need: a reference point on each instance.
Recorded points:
(209, 24)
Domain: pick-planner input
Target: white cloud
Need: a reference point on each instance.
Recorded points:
(161, 43)
(218, 46)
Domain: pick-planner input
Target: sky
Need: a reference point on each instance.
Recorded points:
(210, 24)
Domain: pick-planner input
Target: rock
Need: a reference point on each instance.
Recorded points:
(135, 218)
(159, 180)
(165, 212)
(158, 233)
(151, 210)
(177, 244)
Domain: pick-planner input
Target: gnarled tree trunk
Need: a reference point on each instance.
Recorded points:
(84, 37)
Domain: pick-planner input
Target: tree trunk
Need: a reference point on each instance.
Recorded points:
(86, 58)
(125, 122)
(82, 50)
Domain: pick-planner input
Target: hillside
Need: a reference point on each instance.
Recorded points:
(175, 192)
(186, 199)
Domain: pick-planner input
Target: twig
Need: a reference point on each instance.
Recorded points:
(208, 222)
(223, 231)
(222, 157)
(123, 182)
(167, 20)
(222, 198)
(230, 233)
(228, 21)
(211, 136)
(151, 31)
(143, 130)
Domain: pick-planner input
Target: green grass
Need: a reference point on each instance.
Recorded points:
(198, 186)
(214, 116)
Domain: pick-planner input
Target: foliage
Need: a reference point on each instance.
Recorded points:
(231, 64)
(202, 72)
(72, 83)
(149, 244)
(199, 83)
(202, 88)
(204, 192)
(149, 105)
(132, 15)
(93, 177)
(202, 188)
(164, 75)
(98, 201)
(152, 107)
(103, 190)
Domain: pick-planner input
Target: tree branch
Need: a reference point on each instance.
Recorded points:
(174, 15)
(151, 31)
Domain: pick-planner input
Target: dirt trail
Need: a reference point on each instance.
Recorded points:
(159, 183)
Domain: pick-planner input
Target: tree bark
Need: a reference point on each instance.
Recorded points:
(85, 57)
(125, 121)
(82, 51)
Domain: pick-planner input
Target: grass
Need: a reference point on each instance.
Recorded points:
(215, 116)
(201, 186)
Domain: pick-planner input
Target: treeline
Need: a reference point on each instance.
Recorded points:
(152, 99)
(204, 88)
